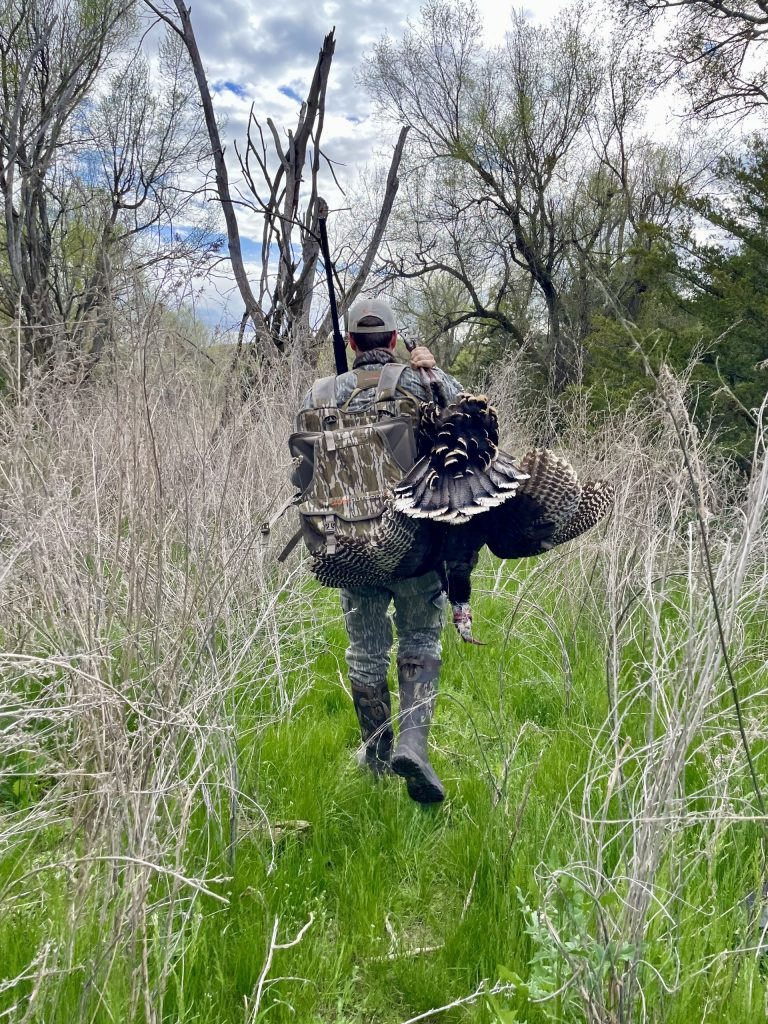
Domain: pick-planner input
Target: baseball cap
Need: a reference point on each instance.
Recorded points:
(371, 307)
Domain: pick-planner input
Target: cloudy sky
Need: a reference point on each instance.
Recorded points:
(266, 54)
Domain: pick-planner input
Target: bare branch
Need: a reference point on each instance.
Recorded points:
(361, 277)
(222, 176)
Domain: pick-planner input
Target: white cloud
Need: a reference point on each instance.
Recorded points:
(267, 58)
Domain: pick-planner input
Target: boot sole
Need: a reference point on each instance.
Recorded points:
(421, 788)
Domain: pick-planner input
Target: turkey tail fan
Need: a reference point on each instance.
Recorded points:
(463, 473)
(423, 494)
(428, 426)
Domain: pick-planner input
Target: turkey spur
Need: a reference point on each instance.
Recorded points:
(474, 494)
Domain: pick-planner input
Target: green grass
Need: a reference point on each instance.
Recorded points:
(414, 906)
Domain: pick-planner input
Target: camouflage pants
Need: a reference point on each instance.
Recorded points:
(419, 616)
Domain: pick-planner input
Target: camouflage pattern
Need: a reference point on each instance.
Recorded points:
(355, 469)
(417, 676)
(348, 463)
(419, 603)
(356, 440)
(374, 714)
(411, 381)
(419, 616)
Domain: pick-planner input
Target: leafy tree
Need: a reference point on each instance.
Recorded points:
(51, 52)
(713, 49)
(91, 178)
(283, 180)
(496, 135)
(697, 301)
(144, 141)
(527, 169)
(730, 278)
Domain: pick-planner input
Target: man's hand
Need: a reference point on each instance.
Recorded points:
(422, 358)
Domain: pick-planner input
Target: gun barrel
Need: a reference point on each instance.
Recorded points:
(339, 350)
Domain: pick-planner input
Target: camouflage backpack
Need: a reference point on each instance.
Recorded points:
(347, 463)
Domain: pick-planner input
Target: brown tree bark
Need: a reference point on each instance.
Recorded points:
(220, 168)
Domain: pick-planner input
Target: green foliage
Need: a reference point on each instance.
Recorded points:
(731, 298)
(695, 303)
(412, 906)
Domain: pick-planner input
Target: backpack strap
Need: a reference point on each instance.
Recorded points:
(390, 388)
(386, 382)
(389, 378)
(324, 393)
(290, 546)
(323, 396)
(364, 381)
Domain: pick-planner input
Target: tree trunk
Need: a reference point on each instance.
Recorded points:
(222, 178)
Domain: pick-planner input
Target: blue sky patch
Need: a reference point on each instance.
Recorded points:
(233, 87)
(286, 90)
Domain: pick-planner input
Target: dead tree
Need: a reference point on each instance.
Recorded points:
(285, 295)
(282, 174)
(85, 183)
(184, 29)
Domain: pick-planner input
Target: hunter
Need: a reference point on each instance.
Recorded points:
(419, 602)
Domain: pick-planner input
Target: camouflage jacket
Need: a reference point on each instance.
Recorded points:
(410, 381)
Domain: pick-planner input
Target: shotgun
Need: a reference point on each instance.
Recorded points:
(339, 349)
(428, 377)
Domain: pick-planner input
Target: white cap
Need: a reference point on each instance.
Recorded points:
(374, 308)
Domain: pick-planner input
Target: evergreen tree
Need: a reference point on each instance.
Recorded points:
(698, 293)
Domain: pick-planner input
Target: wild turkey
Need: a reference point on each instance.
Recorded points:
(475, 494)
(461, 473)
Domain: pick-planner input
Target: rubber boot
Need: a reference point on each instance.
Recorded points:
(418, 692)
(374, 713)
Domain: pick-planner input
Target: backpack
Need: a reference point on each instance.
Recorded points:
(346, 466)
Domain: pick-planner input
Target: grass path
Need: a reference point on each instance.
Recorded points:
(412, 907)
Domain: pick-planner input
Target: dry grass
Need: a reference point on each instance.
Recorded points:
(141, 607)
(675, 588)
(147, 632)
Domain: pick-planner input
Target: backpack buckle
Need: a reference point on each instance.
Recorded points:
(329, 529)
(329, 423)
